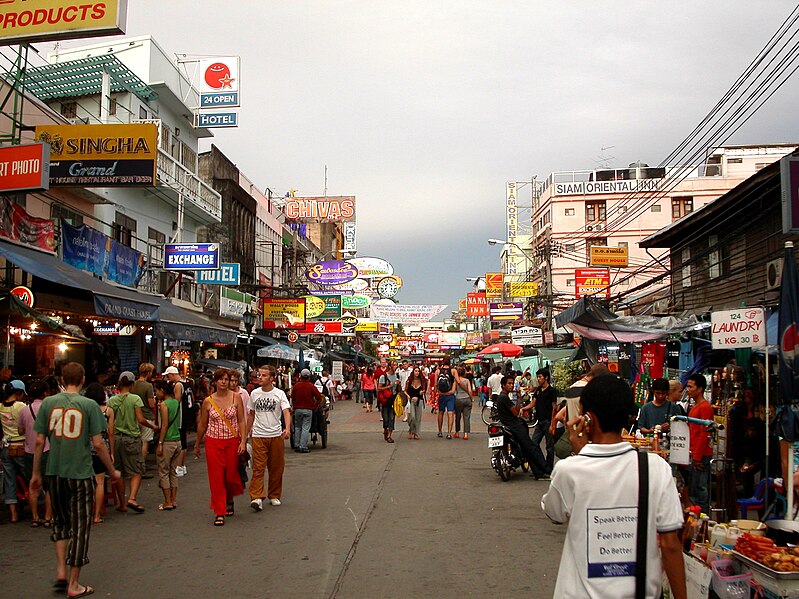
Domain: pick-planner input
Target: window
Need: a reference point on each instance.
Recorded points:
(142, 113)
(124, 229)
(569, 282)
(655, 208)
(155, 243)
(570, 211)
(571, 247)
(69, 109)
(681, 206)
(591, 242)
(624, 244)
(112, 108)
(713, 257)
(59, 211)
(685, 258)
(595, 211)
(622, 209)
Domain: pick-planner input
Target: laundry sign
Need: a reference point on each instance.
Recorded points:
(744, 327)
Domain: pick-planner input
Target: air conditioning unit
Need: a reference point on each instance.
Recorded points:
(594, 227)
(773, 274)
(589, 227)
(79, 120)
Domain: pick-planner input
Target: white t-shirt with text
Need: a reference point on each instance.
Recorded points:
(495, 383)
(268, 407)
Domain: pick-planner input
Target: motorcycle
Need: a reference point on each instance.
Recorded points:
(489, 413)
(506, 453)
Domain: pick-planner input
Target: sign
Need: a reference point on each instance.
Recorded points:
(549, 337)
(20, 227)
(351, 287)
(591, 281)
(331, 272)
(191, 256)
(116, 330)
(355, 302)
(610, 537)
(523, 289)
(404, 313)
(620, 186)
(370, 268)
(219, 82)
(24, 295)
(744, 327)
(366, 326)
(349, 232)
(284, 313)
(527, 336)
(47, 20)
(324, 209)
(332, 309)
(88, 249)
(226, 274)
(348, 321)
(494, 283)
(602, 255)
(233, 304)
(506, 312)
(216, 120)
(462, 305)
(25, 167)
(511, 222)
(679, 443)
(338, 370)
(332, 327)
(314, 306)
(789, 175)
(476, 304)
(101, 155)
(451, 339)
(293, 336)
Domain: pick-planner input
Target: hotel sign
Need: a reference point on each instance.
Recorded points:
(43, 20)
(596, 187)
(607, 256)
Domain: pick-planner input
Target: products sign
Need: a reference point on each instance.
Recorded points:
(523, 289)
(592, 281)
(101, 155)
(744, 327)
(331, 272)
(321, 328)
(314, 306)
(191, 256)
(350, 231)
(324, 209)
(607, 256)
(284, 313)
(233, 304)
(332, 309)
(226, 274)
(476, 304)
(24, 167)
(219, 82)
(494, 282)
(506, 312)
(47, 20)
(20, 227)
(24, 295)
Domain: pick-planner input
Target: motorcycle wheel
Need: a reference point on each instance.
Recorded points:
(503, 465)
(487, 416)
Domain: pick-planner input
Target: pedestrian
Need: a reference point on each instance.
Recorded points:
(463, 404)
(37, 391)
(184, 394)
(236, 376)
(168, 450)
(508, 414)
(701, 450)
(368, 388)
(72, 424)
(446, 382)
(432, 389)
(128, 454)
(387, 386)
(415, 389)
(144, 389)
(264, 411)
(222, 424)
(675, 395)
(305, 400)
(600, 557)
(495, 382)
(659, 411)
(403, 374)
(544, 401)
(97, 392)
(13, 453)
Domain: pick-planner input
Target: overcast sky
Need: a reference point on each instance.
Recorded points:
(423, 110)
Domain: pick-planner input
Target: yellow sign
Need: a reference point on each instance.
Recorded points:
(524, 289)
(607, 256)
(26, 21)
(367, 326)
(494, 282)
(284, 313)
(314, 306)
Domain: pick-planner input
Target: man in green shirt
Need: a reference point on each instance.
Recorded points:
(73, 424)
(144, 389)
(128, 418)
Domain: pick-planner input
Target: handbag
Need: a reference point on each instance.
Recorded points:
(384, 395)
(563, 447)
(399, 408)
(244, 458)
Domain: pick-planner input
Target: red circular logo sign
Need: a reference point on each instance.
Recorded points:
(293, 336)
(217, 76)
(24, 295)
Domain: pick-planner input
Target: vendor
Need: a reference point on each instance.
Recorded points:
(658, 411)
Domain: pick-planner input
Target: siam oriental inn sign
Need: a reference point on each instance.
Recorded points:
(596, 187)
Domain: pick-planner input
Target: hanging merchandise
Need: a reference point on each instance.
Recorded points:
(686, 354)
(654, 354)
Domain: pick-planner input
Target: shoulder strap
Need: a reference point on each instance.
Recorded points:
(643, 525)
(222, 415)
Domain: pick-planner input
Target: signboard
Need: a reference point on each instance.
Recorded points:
(233, 304)
(476, 304)
(24, 295)
(219, 82)
(602, 255)
(116, 330)
(679, 443)
(355, 302)
(20, 227)
(506, 312)
(523, 289)
(462, 305)
(527, 336)
(101, 155)
(293, 336)
(25, 167)
(494, 282)
(452, 339)
(620, 186)
(789, 174)
(338, 370)
(324, 209)
(369, 268)
(332, 309)
(511, 222)
(549, 337)
(366, 326)
(404, 313)
(327, 327)
(744, 327)
(348, 321)
(591, 281)
(349, 231)
(216, 120)
(284, 313)
(47, 20)
(351, 287)
(314, 306)
(191, 256)
(226, 274)
(331, 272)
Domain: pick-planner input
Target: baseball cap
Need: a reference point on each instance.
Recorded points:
(17, 384)
(306, 374)
(126, 377)
(171, 370)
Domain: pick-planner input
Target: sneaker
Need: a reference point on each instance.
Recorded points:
(274, 501)
(180, 471)
(257, 504)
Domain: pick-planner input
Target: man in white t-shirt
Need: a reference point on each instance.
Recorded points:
(404, 373)
(265, 406)
(599, 554)
(495, 383)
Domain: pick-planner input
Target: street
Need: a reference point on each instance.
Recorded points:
(362, 518)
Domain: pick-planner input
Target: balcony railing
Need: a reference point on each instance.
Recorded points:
(173, 174)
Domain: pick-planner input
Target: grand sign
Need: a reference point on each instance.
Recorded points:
(26, 21)
(327, 208)
(331, 272)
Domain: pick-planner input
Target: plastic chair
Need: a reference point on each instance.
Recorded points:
(757, 501)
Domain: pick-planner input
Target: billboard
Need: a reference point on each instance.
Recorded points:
(331, 272)
(24, 167)
(592, 281)
(191, 256)
(602, 255)
(523, 289)
(101, 155)
(226, 274)
(44, 20)
(322, 209)
(494, 282)
(476, 304)
(284, 313)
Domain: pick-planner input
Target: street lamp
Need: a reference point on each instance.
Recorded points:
(249, 317)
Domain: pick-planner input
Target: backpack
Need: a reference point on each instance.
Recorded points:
(444, 382)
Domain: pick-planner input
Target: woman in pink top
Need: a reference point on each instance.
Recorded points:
(221, 420)
(368, 388)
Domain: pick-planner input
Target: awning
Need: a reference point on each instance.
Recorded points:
(176, 323)
(215, 363)
(279, 351)
(109, 300)
(48, 326)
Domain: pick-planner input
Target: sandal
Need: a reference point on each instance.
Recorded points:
(135, 507)
(36, 523)
(165, 508)
(219, 521)
(87, 590)
(230, 510)
(46, 523)
(100, 521)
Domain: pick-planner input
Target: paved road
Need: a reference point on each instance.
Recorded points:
(362, 518)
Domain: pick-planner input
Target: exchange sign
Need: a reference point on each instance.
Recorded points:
(191, 256)
(744, 327)
(591, 281)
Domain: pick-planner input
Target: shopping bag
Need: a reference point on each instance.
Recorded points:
(399, 409)
(563, 447)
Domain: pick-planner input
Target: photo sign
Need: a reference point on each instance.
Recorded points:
(25, 167)
(744, 327)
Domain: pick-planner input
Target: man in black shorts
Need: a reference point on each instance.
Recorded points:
(188, 410)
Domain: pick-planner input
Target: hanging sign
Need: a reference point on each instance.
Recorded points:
(24, 295)
(191, 256)
(607, 256)
(355, 302)
(216, 120)
(476, 304)
(226, 274)
(523, 289)
(284, 313)
(348, 321)
(592, 281)
(506, 312)
(25, 167)
(324, 209)
(744, 327)
(494, 282)
(48, 20)
(332, 309)
(527, 336)
(349, 232)
(233, 304)
(219, 82)
(331, 272)
(293, 336)
(370, 268)
(679, 443)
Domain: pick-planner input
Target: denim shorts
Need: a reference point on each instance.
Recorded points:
(446, 403)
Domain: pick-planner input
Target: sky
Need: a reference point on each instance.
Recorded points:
(424, 110)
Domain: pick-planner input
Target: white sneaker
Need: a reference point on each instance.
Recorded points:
(257, 504)
(180, 471)
(274, 501)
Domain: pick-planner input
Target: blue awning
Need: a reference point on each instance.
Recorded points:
(176, 323)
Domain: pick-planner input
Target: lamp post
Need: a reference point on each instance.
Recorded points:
(249, 317)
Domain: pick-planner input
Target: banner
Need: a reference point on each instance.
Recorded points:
(125, 265)
(324, 209)
(476, 304)
(84, 248)
(284, 313)
(523, 289)
(405, 314)
(18, 226)
(47, 20)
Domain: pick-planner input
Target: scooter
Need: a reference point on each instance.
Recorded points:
(506, 453)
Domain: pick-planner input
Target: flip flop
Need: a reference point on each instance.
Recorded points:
(165, 508)
(87, 590)
(219, 521)
(96, 522)
(135, 507)
(60, 584)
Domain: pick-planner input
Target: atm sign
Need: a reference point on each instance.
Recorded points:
(592, 281)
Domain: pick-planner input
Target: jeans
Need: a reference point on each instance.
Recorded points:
(542, 432)
(302, 427)
(699, 485)
(532, 453)
(12, 466)
(387, 411)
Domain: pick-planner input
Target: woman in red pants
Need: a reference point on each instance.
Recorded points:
(221, 420)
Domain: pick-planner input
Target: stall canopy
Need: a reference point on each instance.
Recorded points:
(215, 363)
(47, 325)
(593, 321)
(279, 351)
(177, 323)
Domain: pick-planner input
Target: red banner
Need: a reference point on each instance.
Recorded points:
(19, 226)
(476, 304)
(327, 327)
